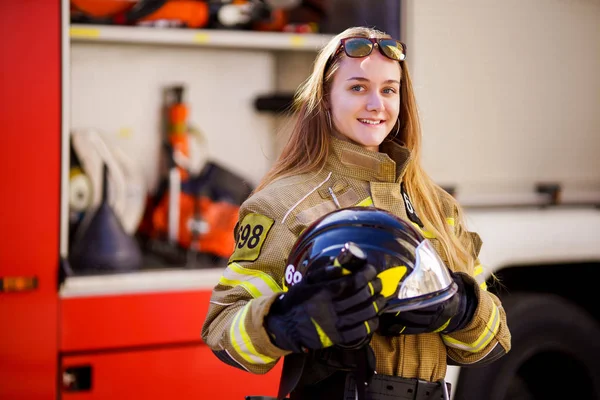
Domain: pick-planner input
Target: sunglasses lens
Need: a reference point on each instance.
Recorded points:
(358, 47)
(393, 49)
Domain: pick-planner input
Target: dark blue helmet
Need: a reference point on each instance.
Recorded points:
(412, 273)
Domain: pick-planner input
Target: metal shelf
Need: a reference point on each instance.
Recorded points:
(198, 37)
(140, 282)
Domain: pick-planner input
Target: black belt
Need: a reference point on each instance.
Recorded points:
(385, 387)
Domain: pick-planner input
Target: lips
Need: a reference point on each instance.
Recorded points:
(369, 121)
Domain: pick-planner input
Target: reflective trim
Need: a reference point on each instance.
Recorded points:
(365, 203)
(482, 360)
(221, 304)
(255, 282)
(486, 337)
(477, 271)
(450, 221)
(250, 288)
(241, 341)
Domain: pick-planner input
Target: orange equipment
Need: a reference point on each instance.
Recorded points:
(204, 225)
(191, 13)
(177, 113)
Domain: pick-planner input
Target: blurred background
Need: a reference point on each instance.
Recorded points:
(135, 129)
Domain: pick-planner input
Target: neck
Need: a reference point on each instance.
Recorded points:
(345, 138)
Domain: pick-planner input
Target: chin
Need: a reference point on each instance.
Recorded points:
(370, 141)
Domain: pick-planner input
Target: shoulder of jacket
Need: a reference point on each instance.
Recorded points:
(448, 202)
(282, 195)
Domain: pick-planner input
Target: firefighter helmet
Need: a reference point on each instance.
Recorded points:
(412, 273)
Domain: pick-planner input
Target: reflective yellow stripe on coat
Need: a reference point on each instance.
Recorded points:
(241, 340)
(483, 340)
(478, 270)
(255, 282)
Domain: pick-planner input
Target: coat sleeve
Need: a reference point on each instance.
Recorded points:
(486, 338)
(233, 328)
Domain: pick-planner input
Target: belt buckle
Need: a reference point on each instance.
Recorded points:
(442, 382)
(425, 389)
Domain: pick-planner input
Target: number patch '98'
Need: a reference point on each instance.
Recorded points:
(251, 236)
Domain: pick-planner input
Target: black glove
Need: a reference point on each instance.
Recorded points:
(448, 316)
(329, 307)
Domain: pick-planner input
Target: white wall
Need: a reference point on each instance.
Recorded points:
(117, 88)
(509, 91)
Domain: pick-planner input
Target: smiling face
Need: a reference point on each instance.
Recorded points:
(364, 99)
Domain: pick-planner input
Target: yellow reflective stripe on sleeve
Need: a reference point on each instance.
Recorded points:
(486, 337)
(368, 327)
(258, 275)
(241, 341)
(250, 288)
(478, 270)
(365, 203)
(325, 341)
(255, 282)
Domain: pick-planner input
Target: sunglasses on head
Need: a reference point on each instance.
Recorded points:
(357, 47)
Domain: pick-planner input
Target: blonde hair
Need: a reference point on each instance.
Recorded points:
(307, 147)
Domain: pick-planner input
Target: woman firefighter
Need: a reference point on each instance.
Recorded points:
(356, 142)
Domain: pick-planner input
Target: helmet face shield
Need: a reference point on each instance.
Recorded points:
(429, 283)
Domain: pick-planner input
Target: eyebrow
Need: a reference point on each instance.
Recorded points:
(361, 79)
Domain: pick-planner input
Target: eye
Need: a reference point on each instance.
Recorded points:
(390, 90)
(357, 88)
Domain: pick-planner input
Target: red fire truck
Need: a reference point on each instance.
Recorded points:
(105, 346)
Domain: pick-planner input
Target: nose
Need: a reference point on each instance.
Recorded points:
(375, 102)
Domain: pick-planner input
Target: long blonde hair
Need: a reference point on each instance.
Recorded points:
(307, 147)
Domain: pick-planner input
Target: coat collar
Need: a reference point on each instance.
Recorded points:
(352, 160)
